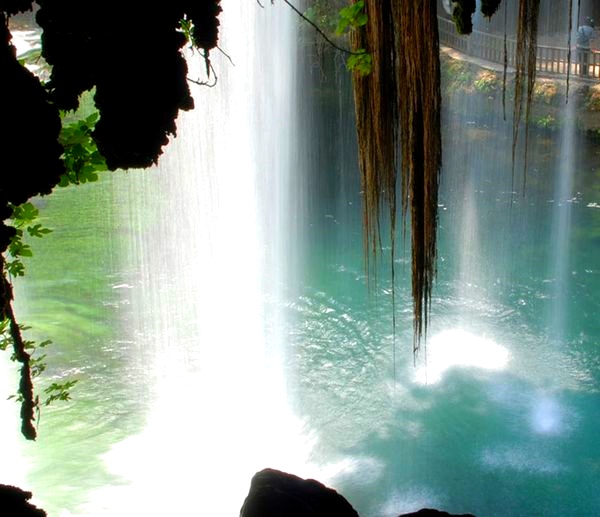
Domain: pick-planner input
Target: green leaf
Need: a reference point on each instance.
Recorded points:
(81, 156)
(353, 16)
(59, 391)
(24, 214)
(5, 340)
(18, 249)
(361, 62)
(15, 268)
(60, 386)
(92, 119)
(38, 230)
(186, 27)
(37, 365)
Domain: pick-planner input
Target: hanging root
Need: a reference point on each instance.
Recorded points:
(398, 124)
(525, 61)
(418, 83)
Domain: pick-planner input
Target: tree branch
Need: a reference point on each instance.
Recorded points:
(318, 29)
(28, 403)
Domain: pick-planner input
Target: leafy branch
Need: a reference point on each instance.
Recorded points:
(12, 331)
(82, 159)
(59, 391)
(361, 62)
(82, 162)
(24, 220)
(37, 365)
(351, 17)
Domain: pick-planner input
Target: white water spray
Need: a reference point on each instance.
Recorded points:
(208, 253)
(561, 225)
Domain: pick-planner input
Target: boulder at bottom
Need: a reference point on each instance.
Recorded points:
(277, 494)
(428, 512)
(14, 502)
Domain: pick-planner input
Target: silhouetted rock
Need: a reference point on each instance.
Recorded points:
(429, 512)
(14, 503)
(277, 494)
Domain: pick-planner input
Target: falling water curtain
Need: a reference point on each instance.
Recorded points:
(398, 125)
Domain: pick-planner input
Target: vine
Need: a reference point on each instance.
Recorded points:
(26, 352)
(348, 19)
(82, 162)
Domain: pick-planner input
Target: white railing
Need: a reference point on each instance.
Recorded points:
(490, 47)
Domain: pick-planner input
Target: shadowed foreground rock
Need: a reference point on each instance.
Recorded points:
(276, 494)
(14, 503)
(428, 512)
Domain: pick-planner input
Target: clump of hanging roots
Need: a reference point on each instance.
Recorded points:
(489, 7)
(525, 73)
(462, 14)
(398, 125)
(398, 109)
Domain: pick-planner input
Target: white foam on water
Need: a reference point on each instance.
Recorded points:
(210, 344)
(409, 500)
(458, 348)
(520, 458)
(13, 466)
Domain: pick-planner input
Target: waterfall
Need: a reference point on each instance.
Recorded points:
(12, 470)
(208, 266)
(561, 224)
(217, 314)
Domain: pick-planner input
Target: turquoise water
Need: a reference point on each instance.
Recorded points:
(499, 415)
(241, 333)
